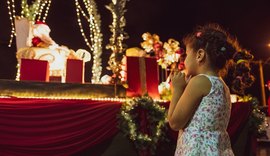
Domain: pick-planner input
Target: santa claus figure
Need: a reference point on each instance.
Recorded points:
(41, 35)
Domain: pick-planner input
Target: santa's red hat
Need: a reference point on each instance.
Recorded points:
(40, 22)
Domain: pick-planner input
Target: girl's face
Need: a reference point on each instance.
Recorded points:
(190, 62)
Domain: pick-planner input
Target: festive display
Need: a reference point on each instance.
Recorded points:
(43, 47)
(93, 19)
(141, 119)
(133, 117)
(167, 54)
(38, 11)
(116, 45)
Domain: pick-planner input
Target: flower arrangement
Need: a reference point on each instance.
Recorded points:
(167, 53)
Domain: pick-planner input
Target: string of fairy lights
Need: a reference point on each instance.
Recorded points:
(117, 9)
(11, 12)
(80, 11)
(93, 18)
(46, 10)
(30, 11)
(110, 99)
(34, 12)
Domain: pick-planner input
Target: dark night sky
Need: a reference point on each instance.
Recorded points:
(249, 20)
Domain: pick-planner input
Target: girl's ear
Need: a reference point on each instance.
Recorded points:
(200, 56)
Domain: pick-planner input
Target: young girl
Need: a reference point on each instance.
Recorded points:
(200, 105)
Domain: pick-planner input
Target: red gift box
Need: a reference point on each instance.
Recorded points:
(75, 71)
(142, 76)
(34, 70)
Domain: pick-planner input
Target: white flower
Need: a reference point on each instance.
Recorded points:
(84, 55)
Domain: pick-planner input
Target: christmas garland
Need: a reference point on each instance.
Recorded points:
(130, 121)
(257, 120)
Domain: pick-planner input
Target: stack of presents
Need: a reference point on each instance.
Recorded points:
(142, 73)
(41, 59)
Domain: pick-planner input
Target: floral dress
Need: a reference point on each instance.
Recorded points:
(206, 134)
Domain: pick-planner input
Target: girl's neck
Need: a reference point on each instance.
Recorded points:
(209, 72)
(212, 73)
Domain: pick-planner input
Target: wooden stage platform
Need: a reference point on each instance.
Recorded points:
(12, 88)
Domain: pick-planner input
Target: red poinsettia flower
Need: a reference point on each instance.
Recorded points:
(36, 41)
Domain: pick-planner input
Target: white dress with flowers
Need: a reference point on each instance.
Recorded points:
(206, 133)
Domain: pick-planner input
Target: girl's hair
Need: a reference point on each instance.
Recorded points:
(239, 75)
(225, 55)
(218, 44)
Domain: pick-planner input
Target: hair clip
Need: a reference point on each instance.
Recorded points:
(199, 34)
(223, 49)
(240, 61)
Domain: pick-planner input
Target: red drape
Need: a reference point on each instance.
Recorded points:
(54, 127)
(239, 117)
(64, 127)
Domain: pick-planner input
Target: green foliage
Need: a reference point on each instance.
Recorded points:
(257, 119)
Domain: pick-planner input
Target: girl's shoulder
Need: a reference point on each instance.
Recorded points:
(201, 78)
(209, 78)
(202, 83)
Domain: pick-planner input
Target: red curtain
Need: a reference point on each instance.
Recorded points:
(30, 127)
(239, 117)
(54, 127)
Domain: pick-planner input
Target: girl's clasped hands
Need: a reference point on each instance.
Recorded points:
(179, 79)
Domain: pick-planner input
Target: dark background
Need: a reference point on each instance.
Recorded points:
(249, 20)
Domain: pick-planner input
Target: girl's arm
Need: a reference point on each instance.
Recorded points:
(178, 86)
(185, 101)
(176, 94)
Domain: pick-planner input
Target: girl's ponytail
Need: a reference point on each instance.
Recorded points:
(239, 73)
